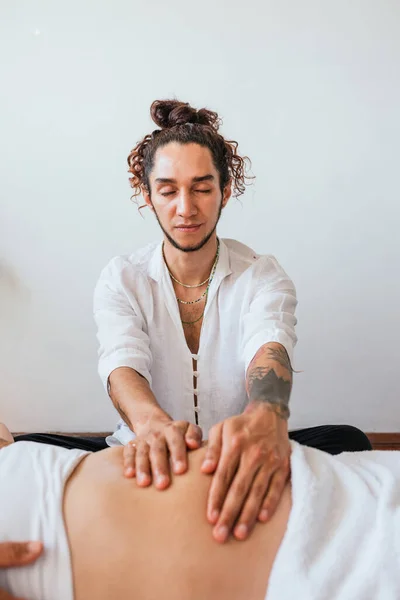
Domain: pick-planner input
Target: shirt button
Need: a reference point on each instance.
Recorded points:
(195, 392)
(195, 356)
(195, 373)
(196, 409)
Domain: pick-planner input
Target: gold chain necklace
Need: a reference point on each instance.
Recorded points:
(180, 282)
(195, 321)
(185, 284)
(214, 267)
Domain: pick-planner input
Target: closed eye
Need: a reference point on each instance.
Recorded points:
(165, 194)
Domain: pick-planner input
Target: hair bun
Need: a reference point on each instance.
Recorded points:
(172, 113)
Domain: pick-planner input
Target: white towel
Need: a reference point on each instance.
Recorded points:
(343, 536)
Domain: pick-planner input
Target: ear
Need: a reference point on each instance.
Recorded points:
(146, 197)
(227, 193)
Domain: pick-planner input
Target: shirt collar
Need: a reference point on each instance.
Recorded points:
(157, 267)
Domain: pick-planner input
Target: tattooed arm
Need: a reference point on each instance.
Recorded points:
(249, 453)
(269, 378)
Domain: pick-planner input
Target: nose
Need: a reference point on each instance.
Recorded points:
(185, 205)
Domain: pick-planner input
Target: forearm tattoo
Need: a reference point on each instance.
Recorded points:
(263, 382)
(281, 356)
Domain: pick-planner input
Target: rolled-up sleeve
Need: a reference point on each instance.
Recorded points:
(271, 312)
(121, 331)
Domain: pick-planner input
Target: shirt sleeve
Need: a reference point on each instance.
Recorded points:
(121, 331)
(271, 312)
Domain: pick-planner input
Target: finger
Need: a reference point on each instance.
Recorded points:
(274, 494)
(159, 462)
(14, 554)
(221, 482)
(143, 469)
(177, 447)
(234, 501)
(252, 506)
(194, 436)
(129, 460)
(213, 451)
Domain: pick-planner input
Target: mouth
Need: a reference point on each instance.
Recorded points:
(188, 228)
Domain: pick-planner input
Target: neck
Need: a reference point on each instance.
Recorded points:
(191, 267)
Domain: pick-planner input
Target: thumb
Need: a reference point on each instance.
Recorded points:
(214, 448)
(193, 436)
(14, 554)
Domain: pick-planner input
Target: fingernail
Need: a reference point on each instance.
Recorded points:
(214, 516)
(141, 477)
(179, 466)
(129, 472)
(208, 463)
(241, 531)
(33, 547)
(222, 533)
(161, 479)
(263, 515)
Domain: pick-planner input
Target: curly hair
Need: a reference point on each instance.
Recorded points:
(180, 122)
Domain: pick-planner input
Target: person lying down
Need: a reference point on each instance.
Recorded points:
(335, 534)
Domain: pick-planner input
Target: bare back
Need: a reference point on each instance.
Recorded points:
(147, 544)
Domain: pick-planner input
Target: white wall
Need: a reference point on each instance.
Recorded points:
(311, 91)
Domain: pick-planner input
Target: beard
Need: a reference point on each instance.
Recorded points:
(197, 246)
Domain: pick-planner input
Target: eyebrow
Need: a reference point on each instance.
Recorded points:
(194, 180)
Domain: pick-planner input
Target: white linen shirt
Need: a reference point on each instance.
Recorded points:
(251, 302)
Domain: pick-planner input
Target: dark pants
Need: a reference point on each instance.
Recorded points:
(330, 438)
(333, 439)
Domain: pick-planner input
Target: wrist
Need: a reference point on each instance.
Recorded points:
(261, 406)
(150, 421)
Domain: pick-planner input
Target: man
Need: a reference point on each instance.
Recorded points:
(197, 334)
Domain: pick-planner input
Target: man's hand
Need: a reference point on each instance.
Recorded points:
(148, 456)
(249, 455)
(17, 554)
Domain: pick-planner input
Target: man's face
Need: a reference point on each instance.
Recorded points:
(185, 194)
